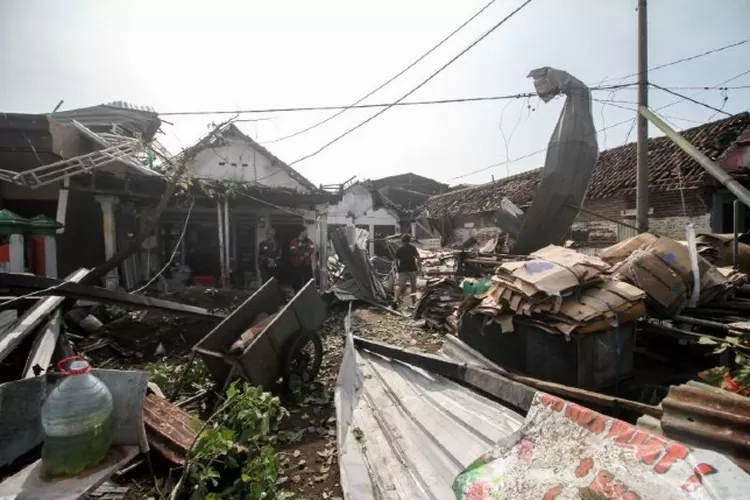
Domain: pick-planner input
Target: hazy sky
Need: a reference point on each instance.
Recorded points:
(233, 55)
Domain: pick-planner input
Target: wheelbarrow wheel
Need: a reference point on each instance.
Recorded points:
(302, 358)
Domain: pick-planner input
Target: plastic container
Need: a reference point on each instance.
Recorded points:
(77, 420)
(476, 287)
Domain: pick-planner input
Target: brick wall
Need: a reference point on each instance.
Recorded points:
(667, 217)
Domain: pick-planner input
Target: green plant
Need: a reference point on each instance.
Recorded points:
(188, 377)
(233, 455)
(739, 370)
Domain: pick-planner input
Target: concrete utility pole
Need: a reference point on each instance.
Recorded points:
(641, 202)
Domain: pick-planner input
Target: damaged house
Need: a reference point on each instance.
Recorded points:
(384, 207)
(63, 167)
(681, 191)
(239, 190)
(99, 174)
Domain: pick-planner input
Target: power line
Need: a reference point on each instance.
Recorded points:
(629, 120)
(685, 59)
(519, 95)
(717, 110)
(387, 82)
(424, 82)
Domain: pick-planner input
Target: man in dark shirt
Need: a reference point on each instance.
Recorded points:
(269, 253)
(407, 264)
(301, 250)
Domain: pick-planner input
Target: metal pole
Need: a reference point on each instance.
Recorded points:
(220, 228)
(711, 167)
(642, 203)
(736, 242)
(226, 242)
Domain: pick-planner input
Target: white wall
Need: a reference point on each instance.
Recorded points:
(357, 200)
(258, 166)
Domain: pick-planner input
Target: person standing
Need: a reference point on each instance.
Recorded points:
(301, 250)
(407, 265)
(269, 253)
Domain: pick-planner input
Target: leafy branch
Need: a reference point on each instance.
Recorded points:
(233, 455)
(739, 372)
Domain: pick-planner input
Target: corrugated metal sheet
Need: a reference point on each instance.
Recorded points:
(405, 433)
(705, 416)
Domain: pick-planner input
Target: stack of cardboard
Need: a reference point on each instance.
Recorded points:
(661, 267)
(560, 290)
(438, 301)
(718, 249)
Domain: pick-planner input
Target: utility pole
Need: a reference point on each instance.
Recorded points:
(641, 201)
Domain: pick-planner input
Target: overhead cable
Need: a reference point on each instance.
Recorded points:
(629, 120)
(391, 79)
(677, 94)
(422, 84)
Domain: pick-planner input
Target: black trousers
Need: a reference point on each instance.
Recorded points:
(300, 276)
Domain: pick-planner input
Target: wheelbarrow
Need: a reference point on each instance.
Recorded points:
(265, 341)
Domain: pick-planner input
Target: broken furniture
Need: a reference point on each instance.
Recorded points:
(21, 431)
(288, 345)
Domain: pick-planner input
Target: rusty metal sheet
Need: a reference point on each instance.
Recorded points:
(169, 429)
(709, 417)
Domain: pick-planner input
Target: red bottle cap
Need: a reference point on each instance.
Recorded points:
(77, 366)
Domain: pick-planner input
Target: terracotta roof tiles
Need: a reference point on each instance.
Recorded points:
(615, 171)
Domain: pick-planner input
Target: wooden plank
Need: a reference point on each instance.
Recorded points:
(21, 328)
(78, 291)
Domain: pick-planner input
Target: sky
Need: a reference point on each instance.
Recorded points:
(181, 56)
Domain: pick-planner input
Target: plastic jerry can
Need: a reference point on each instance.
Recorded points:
(77, 420)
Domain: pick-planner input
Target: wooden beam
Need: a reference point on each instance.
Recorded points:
(96, 294)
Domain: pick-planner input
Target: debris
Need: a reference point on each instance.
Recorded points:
(169, 429)
(70, 289)
(571, 157)
(356, 281)
(12, 336)
(661, 267)
(270, 355)
(259, 324)
(558, 290)
(43, 348)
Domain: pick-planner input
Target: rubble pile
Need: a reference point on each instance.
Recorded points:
(560, 291)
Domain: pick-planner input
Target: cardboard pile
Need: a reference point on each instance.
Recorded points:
(661, 267)
(718, 249)
(438, 303)
(560, 290)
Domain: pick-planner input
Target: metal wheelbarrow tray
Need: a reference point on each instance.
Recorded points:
(277, 351)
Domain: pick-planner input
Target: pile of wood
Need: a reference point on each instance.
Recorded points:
(438, 303)
(561, 291)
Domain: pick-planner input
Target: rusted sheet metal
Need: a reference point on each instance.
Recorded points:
(709, 417)
(169, 429)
